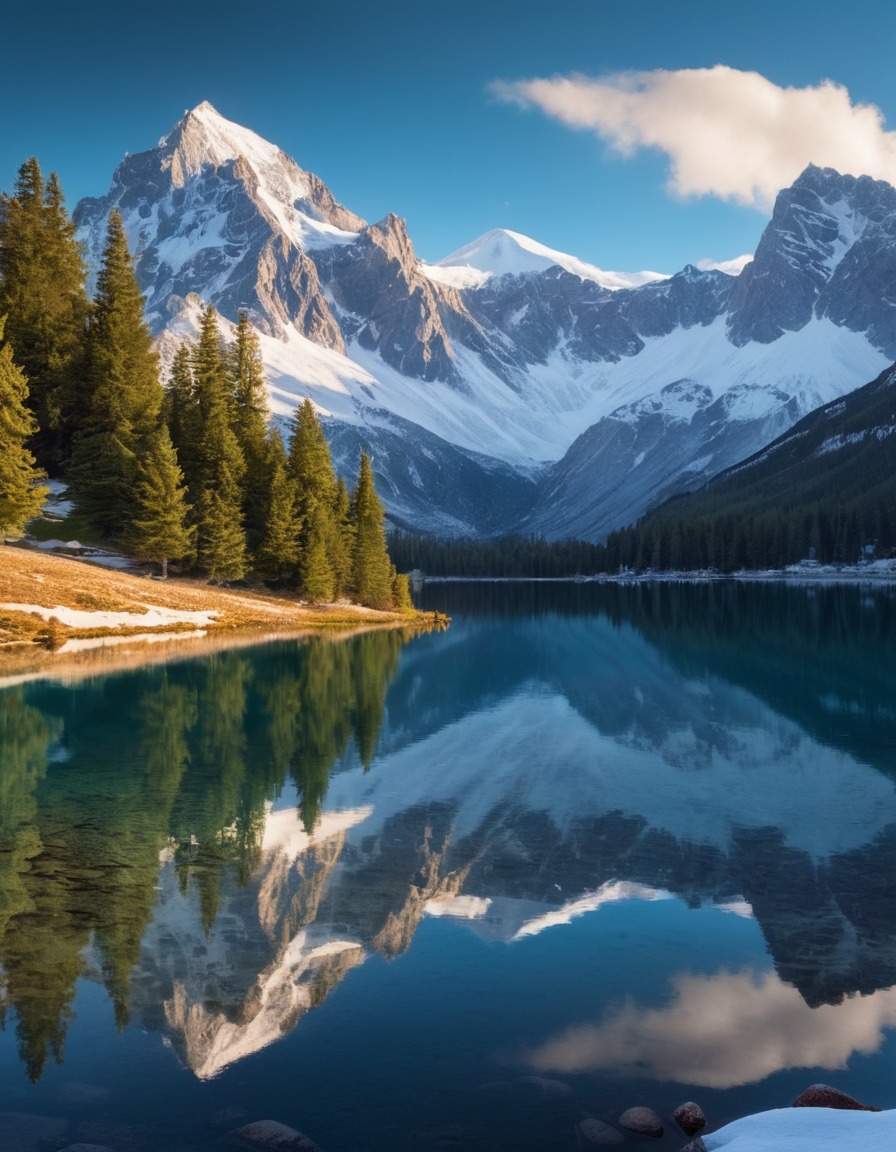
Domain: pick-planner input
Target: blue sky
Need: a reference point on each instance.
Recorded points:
(416, 107)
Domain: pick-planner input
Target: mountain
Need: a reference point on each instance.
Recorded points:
(833, 473)
(509, 386)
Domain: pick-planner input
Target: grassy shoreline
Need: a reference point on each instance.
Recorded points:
(60, 613)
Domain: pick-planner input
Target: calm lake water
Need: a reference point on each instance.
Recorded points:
(590, 848)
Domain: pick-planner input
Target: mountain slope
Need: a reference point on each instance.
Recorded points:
(509, 387)
(825, 490)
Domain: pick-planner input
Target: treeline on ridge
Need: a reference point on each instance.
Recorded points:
(193, 472)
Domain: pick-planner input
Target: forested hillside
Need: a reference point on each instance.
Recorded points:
(191, 470)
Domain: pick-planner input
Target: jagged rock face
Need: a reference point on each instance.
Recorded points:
(393, 309)
(215, 211)
(828, 251)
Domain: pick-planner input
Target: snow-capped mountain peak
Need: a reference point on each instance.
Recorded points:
(501, 252)
(203, 137)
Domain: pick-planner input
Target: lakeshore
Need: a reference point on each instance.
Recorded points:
(62, 613)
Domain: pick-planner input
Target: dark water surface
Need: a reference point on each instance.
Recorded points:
(590, 848)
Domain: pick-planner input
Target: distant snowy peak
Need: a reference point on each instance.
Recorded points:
(505, 253)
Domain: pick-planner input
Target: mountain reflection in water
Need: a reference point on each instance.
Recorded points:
(222, 842)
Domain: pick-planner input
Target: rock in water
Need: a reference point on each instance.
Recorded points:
(550, 1089)
(644, 1121)
(278, 1137)
(695, 1146)
(824, 1096)
(690, 1118)
(596, 1132)
(86, 1148)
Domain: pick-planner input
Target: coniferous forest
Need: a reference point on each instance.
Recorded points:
(190, 470)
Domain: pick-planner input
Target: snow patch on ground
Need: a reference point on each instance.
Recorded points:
(81, 618)
(807, 1130)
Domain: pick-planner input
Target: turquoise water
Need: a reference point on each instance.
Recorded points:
(589, 848)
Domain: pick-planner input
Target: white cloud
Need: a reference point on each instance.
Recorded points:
(723, 1030)
(727, 133)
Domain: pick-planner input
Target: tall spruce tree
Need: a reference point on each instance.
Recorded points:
(221, 468)
(158, 528)
(277, 556)
(20, 495)
(371, 567)
(250, 412)
(123, 397)
(311, 468)
(180, 413)
(42, 292)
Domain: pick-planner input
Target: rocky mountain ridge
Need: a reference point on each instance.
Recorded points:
(561, 382)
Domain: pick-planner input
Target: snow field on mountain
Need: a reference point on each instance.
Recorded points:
(555, 401)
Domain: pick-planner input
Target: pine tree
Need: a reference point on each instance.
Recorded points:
(221, 468)
(371, 567)
(250, 411)
(311, 468)
(20, 496)
(42, 292)
(277, 556)
(316, 577)
(222, 541)
(343, 540)
(158, 528)
(210, 382)
(123, 397)
(181, 413)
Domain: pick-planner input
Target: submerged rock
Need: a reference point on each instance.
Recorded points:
(596, 1132)
(644, 1121)
(824, 1096)
(690, 1118)
(274, 1135)
(550, 1089)
(87, 1148)
(695, 1146)
(26, 1132)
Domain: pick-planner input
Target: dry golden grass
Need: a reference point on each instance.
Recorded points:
(28, 642)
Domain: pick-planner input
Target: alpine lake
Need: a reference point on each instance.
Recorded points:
(592, 847)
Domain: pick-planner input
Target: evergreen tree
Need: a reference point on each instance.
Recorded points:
(371, 567)
(181, 413)
(123, 397)
(221, 537)
(42, 291)
(217, 484)
(277, 557)
(316, 575)
(20, 497)
(311, 468)
(158, 528)
(250, 411)
(211, 386)
(343, 540)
